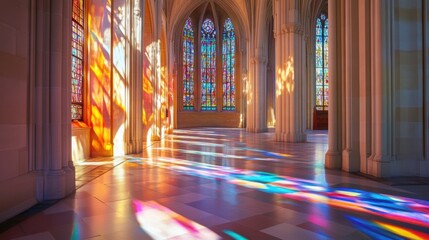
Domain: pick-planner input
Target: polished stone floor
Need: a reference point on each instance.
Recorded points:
(209, 183)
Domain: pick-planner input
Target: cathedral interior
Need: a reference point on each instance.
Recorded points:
(214, 119)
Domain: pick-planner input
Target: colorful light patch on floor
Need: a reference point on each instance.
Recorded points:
(214, 154)
(185, 137)
(162, 223)
(230, 148)
(234, 235)
(381, 230)
(406, 210)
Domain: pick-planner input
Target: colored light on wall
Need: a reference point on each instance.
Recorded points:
(286, 78)
(99, 76)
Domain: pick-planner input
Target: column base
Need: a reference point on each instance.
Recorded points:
(379, 166)
(281, 137)
(169, 131)
(350, 161)
(135, 146)
(257, 130)
(291, 137)
(51, 186)
(424, 168)
(70, 179)
(333, 160)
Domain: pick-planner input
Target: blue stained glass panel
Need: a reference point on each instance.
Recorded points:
(188, 65)
(228, 63)
(208, 66)
(321, 62)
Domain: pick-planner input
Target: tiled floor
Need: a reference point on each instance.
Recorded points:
(226, 183)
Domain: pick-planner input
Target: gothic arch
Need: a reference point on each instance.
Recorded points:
(198, 11)
(180, 11)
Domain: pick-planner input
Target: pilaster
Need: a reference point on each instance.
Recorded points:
(364, 85)
(333, 157)
(350, 154)
(135, 140)
(382, 118)
(425, 9)
(256, 120)
(67, 161)
(256, 85)
(54, 169)
(156, 61)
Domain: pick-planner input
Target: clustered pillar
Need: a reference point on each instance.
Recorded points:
(290, 73)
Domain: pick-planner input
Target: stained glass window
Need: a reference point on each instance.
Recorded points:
(188, 66)
(322, 80)
(208, 66)
(77, 59)
(228, 63)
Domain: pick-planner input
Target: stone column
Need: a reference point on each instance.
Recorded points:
(256, 85)
(350, 154)
(125, 94)
(424, 169)
(54, 170)
(290, 72)
(174, 81)
(382, 118)
(135, 143)
(252, 98)
(364, 84)
(157, 134)
(256, 107)
(333, 155)
(68, 165)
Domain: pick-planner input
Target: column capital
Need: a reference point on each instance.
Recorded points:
(259, 60)
(292, 28)
(306, 37)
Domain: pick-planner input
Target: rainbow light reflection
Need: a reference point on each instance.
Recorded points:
(224, 146)
(199, 132)
(197, 138)
(162, 223)
(234, 235)
(214, 154)
(380, 230)
(396, 208)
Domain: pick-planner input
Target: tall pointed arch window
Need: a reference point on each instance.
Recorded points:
(208, 75)
(228, 64)
(322, 80)
(188, 66)
(78, 39)
(208, 66)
